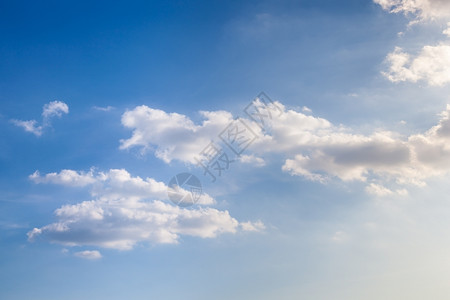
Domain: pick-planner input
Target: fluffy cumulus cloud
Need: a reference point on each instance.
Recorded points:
(316, 149)
(49, 111)
(431, 65)
(171, 135)
(54, 109)
(126, 210)
(115, 184)
(65, 177)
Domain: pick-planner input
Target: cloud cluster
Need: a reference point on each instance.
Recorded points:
(422, 9)
(49, 111)
(126, 210)
(432, 63)
(317, 150)
(320, 151)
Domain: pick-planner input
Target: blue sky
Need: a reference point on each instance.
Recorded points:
(344, 195)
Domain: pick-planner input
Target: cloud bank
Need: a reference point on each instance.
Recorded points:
(312, 147)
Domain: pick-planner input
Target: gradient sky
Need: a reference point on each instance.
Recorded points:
(344, 196)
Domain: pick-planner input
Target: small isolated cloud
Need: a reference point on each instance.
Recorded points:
(431, 65)
(49, 111)
(126, 210)
(89, 254)
(54, 109)
(106, 108)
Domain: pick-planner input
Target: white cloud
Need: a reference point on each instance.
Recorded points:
(173, 136)
(54, 109)
(65, 177)
(112, 185)
(432, 65)
(122, 224)
(381, 191)
(50, 110)
(306, 109)
(422, 9)
(29, 126)
(447, 31)
(128, 210)
(89, 254)
(314, 148)
(378, 190)
(106, 108)
(252, 160)
(385, 155)
(253, 226)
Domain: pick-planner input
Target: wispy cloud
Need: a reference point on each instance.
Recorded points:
(89, 254)
(49, 111)
(106, 108)
(29, 126)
